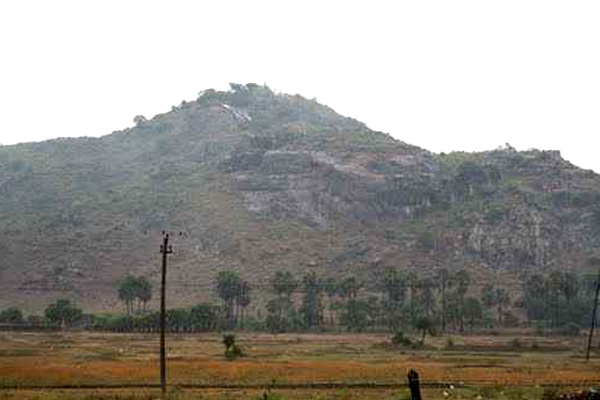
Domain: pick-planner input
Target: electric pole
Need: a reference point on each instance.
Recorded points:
(165, 249)
(595, 309)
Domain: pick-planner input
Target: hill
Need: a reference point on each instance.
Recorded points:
(258, 182)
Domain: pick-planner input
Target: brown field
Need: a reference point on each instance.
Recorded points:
(481, 363)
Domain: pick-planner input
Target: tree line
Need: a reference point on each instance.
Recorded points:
(397, 301)
(558, 300)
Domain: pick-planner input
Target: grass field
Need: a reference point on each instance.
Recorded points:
(480, 367)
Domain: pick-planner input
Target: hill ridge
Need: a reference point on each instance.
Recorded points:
(264, 181)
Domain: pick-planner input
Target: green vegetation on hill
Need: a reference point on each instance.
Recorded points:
(263, 182)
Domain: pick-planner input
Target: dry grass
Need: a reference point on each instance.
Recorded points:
(91, 358)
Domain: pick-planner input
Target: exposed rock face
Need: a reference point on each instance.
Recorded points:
(260, 182)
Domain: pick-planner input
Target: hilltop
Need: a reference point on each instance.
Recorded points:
(257, 182)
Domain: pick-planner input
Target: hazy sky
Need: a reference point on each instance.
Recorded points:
(445, 75)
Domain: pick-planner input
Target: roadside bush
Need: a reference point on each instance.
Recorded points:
(399, 339)
(232, 350)
(449, 343)
(515, 343)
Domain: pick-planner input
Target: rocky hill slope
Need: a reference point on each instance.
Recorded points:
(257, 181)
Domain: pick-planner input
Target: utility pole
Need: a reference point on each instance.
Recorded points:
(595, 309)
(165, 249)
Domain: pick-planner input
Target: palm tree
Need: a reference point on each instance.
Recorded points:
(331, 290)
(127, 293)
(502, 299)
(228, 288)
(425, 324)
(463, 280)
(144, 293)
(412, 282)
(443, 279)
(427, 287)
(243, 301)
(349, 288)
(555, 286)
